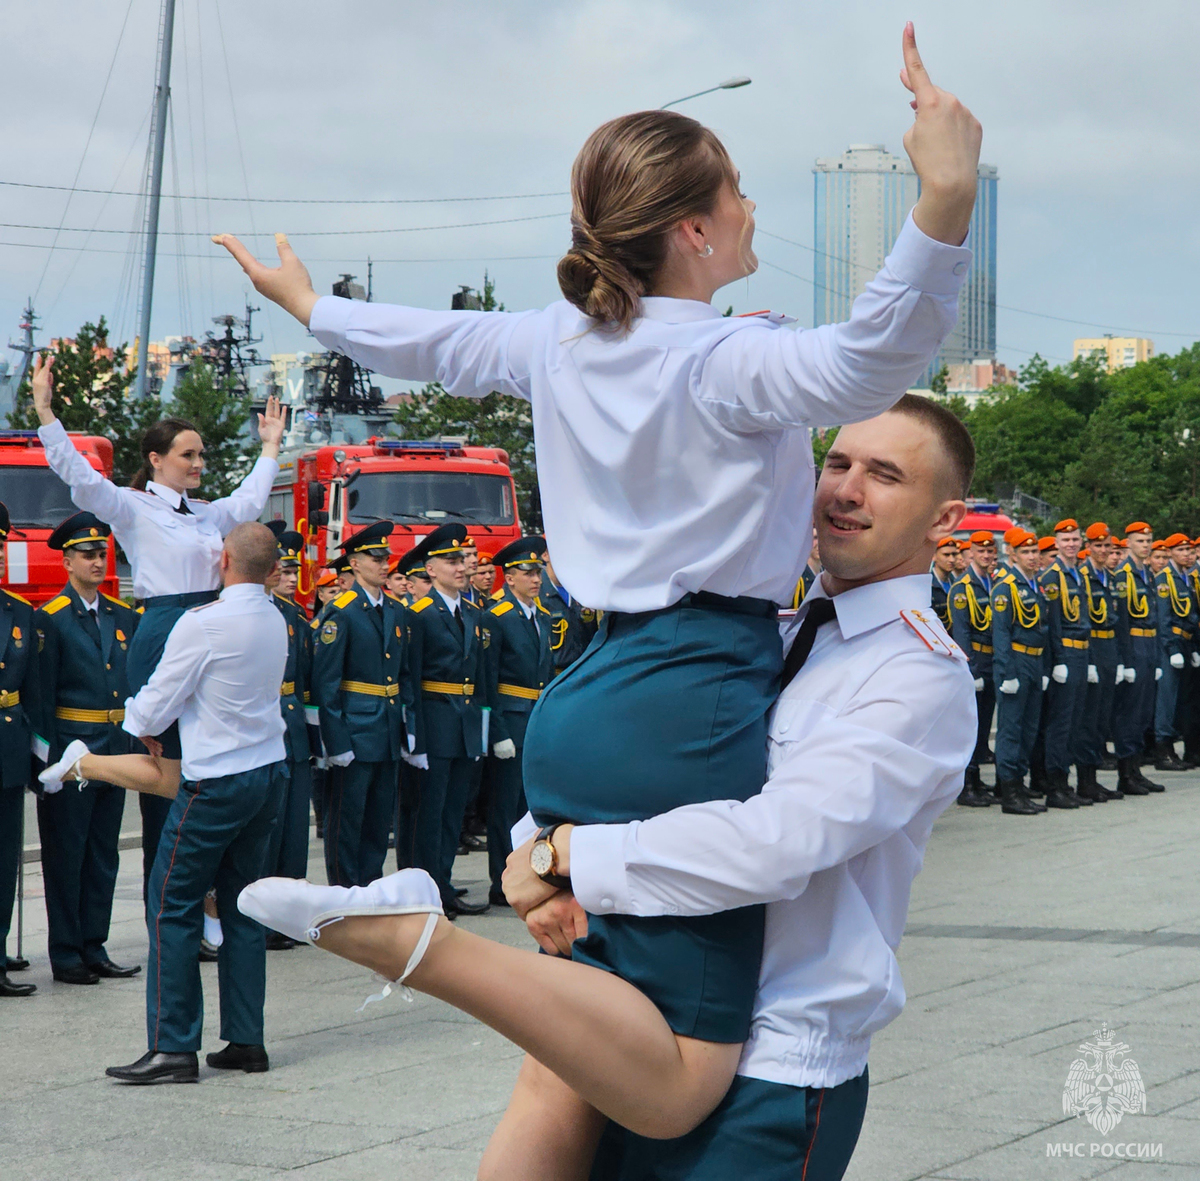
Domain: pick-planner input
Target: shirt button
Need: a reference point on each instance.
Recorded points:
(784, 728)
(606, 903)
(960, 268)
(672, 910)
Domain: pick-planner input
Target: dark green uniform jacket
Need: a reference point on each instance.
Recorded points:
(20, 699)
(519, 665)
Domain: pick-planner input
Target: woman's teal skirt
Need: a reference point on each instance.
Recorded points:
(665, 708)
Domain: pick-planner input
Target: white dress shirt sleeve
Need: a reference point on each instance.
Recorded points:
(161, 700)
(842, 782)
(89, 489)
(469, 353)
(764, 379)
(247, 501)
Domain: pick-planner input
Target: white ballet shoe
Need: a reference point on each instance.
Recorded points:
(52, 777)
(298, 909)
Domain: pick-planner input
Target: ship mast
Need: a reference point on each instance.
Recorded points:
(158, 134)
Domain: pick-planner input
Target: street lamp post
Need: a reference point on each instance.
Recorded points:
(728, 84)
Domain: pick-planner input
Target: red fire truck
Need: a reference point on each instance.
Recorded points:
(38, 501)
(984, 515)
(333, 492)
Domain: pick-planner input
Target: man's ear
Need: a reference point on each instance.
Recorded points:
(224, 564)
(949, 516)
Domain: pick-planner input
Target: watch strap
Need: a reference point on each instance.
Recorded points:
(552, 879)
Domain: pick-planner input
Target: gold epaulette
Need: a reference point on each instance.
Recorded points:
(55, 604)
(496, 595)
(114, 599)
(21, 598)
(501, 608)
(345, 599)
(421, 604)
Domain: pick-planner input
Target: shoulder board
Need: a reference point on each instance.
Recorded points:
(114, 599)
(929, 632)
(19, 598)
(281, 598)
(541, 608)
(315, 623)
(395, 598)
(496, 595)
(203, 606)
(345, 599)
(964, 579)
(421, 604)
(55, 604)
(502, 608)
(196, 500)
(140, 611)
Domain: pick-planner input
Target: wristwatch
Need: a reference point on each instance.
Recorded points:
(543, 859)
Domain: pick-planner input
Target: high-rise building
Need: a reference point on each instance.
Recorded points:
(1118, 352)
(861, 200)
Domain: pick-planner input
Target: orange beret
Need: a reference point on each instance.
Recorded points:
(1023, 537)
(1121, 542)
(485, 559)
(1137, 527)
(963, 543)
(1066, 525)
(948, 542)
(1045, 543)
(1158, 544)
(983, 537)
(1015, 531)
(326, 577)
(1085, 552)
(1098, 531)
(1177, 539)
(1197, 541)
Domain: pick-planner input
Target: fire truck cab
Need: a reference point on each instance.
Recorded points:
(984, 515)
(38, 502)
(338, 490)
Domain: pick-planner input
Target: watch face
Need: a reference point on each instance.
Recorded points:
(541, 858)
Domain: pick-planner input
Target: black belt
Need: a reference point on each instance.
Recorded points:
(192, 599)
(742, 605)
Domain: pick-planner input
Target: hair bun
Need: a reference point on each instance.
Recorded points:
(596, 281)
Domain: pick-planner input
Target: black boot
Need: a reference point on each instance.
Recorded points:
(1073, 792)
(1164, 757)
(1038, 782)
(1148, 784)
(1058, 795)
(1013, 800)
(1129, 778)
(972, 795)
(1088, 788)
(1108, 762)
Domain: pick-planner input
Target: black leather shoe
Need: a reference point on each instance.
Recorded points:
(8, 988)
(208, 953)
(1059, 799)
(495, 899)
(75, 974)
(1082, 801)
(1014, 801)
(459, 891)
(462, 906)
(107, 970)
(156, 1067)
(235, 1056)
(1148, 784)
(473, 844)
(277, 942)
(14, 963)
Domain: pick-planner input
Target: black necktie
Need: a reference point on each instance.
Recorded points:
(458, 619)
(91, 623)
(183, 509)
(820, 611)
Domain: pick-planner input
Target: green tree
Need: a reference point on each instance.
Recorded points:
(91, 395)
(497, 420)
(223, 418)
(937, 384)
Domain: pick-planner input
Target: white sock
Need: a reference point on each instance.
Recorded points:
(212, 931)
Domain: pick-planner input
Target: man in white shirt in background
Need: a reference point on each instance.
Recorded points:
(868, 742)
(219, 677)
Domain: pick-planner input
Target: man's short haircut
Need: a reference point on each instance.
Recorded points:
(954, 437)
(253, 550)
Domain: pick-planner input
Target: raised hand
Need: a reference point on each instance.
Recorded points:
(943, 145)
(288, 284)
(41, 385)
(270, 426)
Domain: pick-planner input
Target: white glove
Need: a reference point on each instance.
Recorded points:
(342, 760)
(1010, 686)
(505, 749)
(1059, 673)
(421, 762)
(1045, 684)
(50, 787)
(979, 684)
(1093, 675)
(1196, 660)
(1131, 675)
(1158, 674)
(1177, 660)
(1120, 673)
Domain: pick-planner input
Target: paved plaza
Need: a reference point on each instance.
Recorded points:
(1025, 935)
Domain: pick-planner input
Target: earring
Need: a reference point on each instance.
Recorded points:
(706, 252)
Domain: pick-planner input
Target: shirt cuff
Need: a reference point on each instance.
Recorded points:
(927, 265)
(598, 875)
(329, 319)
(53, 432)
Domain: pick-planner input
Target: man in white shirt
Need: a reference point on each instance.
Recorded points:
(868, 743)
(219, 677)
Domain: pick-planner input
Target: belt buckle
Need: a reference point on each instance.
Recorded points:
(116, 715)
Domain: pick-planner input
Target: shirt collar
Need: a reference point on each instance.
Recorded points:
(677, 311)
(867, 607)
(452, 603)
(172, 497)
(245, 590)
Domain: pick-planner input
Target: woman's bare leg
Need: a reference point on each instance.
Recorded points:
(144, 773)
(606, 1040)
(547, 1132)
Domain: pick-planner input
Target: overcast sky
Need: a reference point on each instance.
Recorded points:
(1089, 109)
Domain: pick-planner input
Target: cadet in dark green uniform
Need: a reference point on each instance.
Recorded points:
(448, 677)
(18, 693)
(971, 627)
(941, 573)
(517, 638)
(83, 639)
(1101, 602)
(360, 682)
(1020, 634)
(287, 853)
(572, 625)
(1178, 621)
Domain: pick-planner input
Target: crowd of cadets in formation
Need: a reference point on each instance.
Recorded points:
(431, 691)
